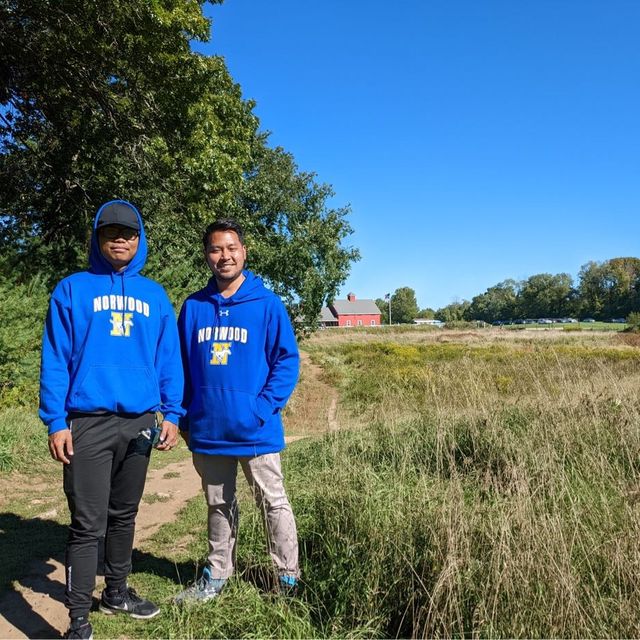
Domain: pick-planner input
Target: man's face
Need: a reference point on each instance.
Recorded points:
(118, 245)
(225, 255)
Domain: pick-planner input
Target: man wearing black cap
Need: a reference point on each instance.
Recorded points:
(110, 365)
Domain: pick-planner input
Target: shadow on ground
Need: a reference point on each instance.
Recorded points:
(24, 543)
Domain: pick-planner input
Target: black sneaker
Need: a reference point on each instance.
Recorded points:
(79, 629)
(128, 601)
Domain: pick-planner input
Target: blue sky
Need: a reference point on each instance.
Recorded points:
(475, 140)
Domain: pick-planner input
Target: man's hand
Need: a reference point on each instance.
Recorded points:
(61, 445)
(168, 436)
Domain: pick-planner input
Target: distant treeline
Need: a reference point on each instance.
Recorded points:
(604, 290)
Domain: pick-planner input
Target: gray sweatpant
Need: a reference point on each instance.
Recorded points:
(264, 475)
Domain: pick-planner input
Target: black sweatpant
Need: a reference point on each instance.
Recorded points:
(103, 483)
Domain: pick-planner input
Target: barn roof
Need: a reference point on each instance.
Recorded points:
(326, 315)
(355, 307)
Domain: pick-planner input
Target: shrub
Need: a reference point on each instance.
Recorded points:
(23, 440)
(633, 320)
(24, 309)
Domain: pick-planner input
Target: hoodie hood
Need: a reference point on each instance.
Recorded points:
(99, 264)
(250, 290)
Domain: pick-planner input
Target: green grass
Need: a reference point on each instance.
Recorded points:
(23, 440)
(152, 498)
(493, 493)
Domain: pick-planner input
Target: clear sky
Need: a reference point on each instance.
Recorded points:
(475, 140)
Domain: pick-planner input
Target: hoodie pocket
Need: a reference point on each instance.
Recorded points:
(117, 388)
(226, 415)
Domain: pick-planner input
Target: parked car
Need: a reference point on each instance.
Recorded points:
(619, 320)
(545, 321)
(588, 320)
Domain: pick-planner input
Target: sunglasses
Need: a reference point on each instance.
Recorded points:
(111, 233)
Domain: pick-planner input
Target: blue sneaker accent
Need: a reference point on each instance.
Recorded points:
(203, 589)
(288, 585)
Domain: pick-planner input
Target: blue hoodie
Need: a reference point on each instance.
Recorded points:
(241, 365)
(110, 343)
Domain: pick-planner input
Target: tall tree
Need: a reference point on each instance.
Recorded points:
(107, 99)
(383, 305)
(546, 296)
(591, 290)
(404, 307)
(96, 99)
(496, 303)
(610, 289)
(402, 304)
(296, 238)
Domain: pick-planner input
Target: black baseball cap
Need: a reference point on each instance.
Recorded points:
(120, 214)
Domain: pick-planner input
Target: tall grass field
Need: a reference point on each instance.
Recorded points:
(495, 492)
(482, 484)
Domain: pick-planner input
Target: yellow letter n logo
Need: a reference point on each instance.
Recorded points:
(220, 352)
(121, 324)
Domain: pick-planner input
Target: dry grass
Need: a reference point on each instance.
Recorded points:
(495, 495)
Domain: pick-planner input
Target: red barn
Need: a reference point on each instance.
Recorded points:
(351, 313)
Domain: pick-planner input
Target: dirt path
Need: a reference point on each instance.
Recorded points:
(35, 609)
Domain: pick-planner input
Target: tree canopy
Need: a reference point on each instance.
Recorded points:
(454, 312)
(404, 307)
(105, 100)
(610, 289)
(496, 303)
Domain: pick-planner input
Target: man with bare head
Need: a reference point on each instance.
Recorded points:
(241, 365)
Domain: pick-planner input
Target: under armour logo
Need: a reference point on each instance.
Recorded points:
(223, 312)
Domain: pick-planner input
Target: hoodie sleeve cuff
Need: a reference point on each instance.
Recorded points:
(57, 425)
(173, 418)
(264, 410)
